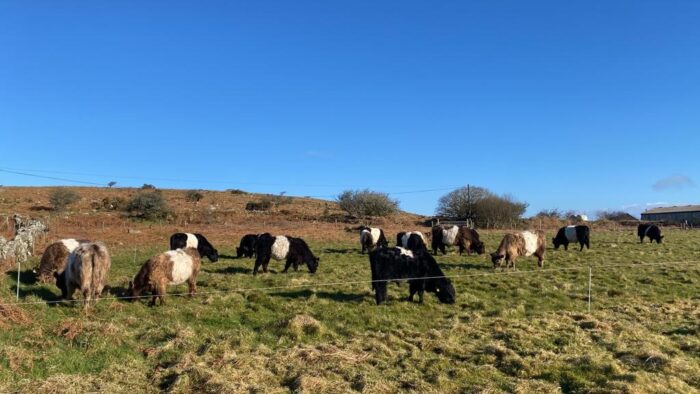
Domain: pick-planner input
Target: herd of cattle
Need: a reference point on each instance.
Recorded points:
(82, 265)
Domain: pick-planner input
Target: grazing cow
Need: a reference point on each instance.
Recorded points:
(419, 268)
(282, 247)
(572, 234)
(462, 236)
(402, 238)
(55, 257)
(525, 243)
(649, 230)
(169, 268)
(371, 238)
(247, 246)
(86, 270)
(196, 240)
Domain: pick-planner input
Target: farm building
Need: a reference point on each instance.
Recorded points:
(691, 213)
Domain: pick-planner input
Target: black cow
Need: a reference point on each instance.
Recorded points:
(395, 264)
(282, 247)
(196, 240)
(649, 230)
(572, 234)
(247, 246)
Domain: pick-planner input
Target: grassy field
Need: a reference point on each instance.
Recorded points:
(521, 331)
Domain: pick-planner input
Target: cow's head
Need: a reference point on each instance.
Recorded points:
(497, 259)
(211, 253)
(556, 243)
(239, 252)
(478, 247)
(312, 263)
(443, 289)
(135, 290)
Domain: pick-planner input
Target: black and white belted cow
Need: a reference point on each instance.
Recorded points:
(649, 230)
(197, 241)
(465, 238)
(294, 250)
(573, 234)
(371, 238)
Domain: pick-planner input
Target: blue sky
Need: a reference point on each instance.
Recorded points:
(570, 105)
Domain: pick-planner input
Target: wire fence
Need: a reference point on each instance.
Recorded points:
(496, 273)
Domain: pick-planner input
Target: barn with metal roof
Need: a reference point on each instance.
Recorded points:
(680, 214)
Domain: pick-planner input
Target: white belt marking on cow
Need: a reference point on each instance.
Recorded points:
(530, 242)
(182, 266)
(280, 249)
(191, 241)
(405, 252)
(70, 244)
(404, 239)
(449, 235)
(375, 235)
(570, 232)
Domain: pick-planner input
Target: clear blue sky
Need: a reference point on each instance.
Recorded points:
(571, 105)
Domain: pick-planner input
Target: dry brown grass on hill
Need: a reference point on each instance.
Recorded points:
(220, 215)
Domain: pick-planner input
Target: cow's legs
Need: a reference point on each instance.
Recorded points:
(380, 292)
(192, 287)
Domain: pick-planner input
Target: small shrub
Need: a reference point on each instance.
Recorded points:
(237, 191)
(61, 198)
(111, 184)
(193, 196)
(359, 203)
(148, 186)
(114, 204)
(265, 204)
(148, 205)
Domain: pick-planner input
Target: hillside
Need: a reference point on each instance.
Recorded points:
(221, 215)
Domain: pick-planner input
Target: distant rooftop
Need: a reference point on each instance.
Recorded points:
(674, 209)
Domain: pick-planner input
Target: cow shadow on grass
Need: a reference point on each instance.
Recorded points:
(339, 296)
(229, 257)
(26, 277)
(339, 251)
(114, 291)
(229, 270)
(41, 292)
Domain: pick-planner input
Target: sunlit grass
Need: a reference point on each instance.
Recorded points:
(527, 330)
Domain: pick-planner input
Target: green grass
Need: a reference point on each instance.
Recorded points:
(523, 331)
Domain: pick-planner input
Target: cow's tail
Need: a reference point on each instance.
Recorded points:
(98, 265)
